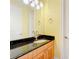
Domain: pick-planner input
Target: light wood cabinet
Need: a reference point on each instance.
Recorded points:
(26, 56)
(50, 53)
(39, 56)
(44, 52)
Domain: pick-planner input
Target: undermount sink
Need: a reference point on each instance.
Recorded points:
(40, 41)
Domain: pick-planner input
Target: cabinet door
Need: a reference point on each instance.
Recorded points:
(46, 54)
(39, 56)
(27, 56)
(50, 52)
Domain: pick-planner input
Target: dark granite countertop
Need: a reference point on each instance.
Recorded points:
(20, 49)
(17, 52)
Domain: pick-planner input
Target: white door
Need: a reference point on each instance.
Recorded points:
(65, 30)
(15, 22)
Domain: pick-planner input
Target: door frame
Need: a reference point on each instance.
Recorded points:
(64, 16)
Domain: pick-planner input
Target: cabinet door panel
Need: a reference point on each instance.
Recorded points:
(27, 56)
(50, 52)
(50, 44)
(45, 54)
(39, 50)
(39, 56)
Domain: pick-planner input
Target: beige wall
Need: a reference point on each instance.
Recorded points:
(50, 21)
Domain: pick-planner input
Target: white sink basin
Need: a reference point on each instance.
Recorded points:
(40, 41)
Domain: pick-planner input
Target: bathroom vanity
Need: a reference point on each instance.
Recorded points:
(44, 52)
(42, 48)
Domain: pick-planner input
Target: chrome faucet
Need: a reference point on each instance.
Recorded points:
(36, 33)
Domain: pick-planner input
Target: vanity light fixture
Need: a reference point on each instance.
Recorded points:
(41, 4)
(36, 2)
(38, 7)
(30, 0)
(26, 2)
(32, 4)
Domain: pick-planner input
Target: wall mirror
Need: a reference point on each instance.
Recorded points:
(26, 18)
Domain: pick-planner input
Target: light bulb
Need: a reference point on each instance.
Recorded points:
(26, 2)
(37, 7)
(36, 2)
(30, 0)
(32, 4)
(41, 4)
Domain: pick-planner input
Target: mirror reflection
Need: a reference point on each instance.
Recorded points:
(27, 18)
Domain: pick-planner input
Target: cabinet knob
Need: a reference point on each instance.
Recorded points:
(66, 37)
